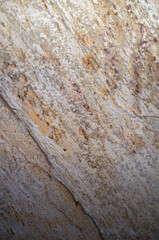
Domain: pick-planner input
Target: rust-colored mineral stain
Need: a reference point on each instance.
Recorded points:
(27, 21)
(156, 139)
(82, 133)
(9, 30)
(57, 135)
(1, 31)
(43, 127)
(90, 62)
(48, 222)
(103, 92)
(80, 36)
(58, 26)
(91, 164)
(44, 4)
(20, 1)
(137, 141)
(57, 220)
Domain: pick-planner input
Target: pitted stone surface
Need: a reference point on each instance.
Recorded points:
(82, 78)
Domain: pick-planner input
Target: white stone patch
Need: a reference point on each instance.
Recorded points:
(95, 1)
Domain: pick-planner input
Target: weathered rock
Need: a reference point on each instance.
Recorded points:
(79, 119)
(33, 203)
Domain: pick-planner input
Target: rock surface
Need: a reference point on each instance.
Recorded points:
(79, 119)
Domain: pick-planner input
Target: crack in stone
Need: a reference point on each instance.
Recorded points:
(14, 110)
(146, 116)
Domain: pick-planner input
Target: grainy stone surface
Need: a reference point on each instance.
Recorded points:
(34, 205)
(79, 119)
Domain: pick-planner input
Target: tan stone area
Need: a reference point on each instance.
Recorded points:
(79, 119)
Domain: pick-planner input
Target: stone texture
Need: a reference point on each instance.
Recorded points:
(34, 205)
(79, 119)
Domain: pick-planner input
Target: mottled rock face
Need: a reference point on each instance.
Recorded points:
(79, 119)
